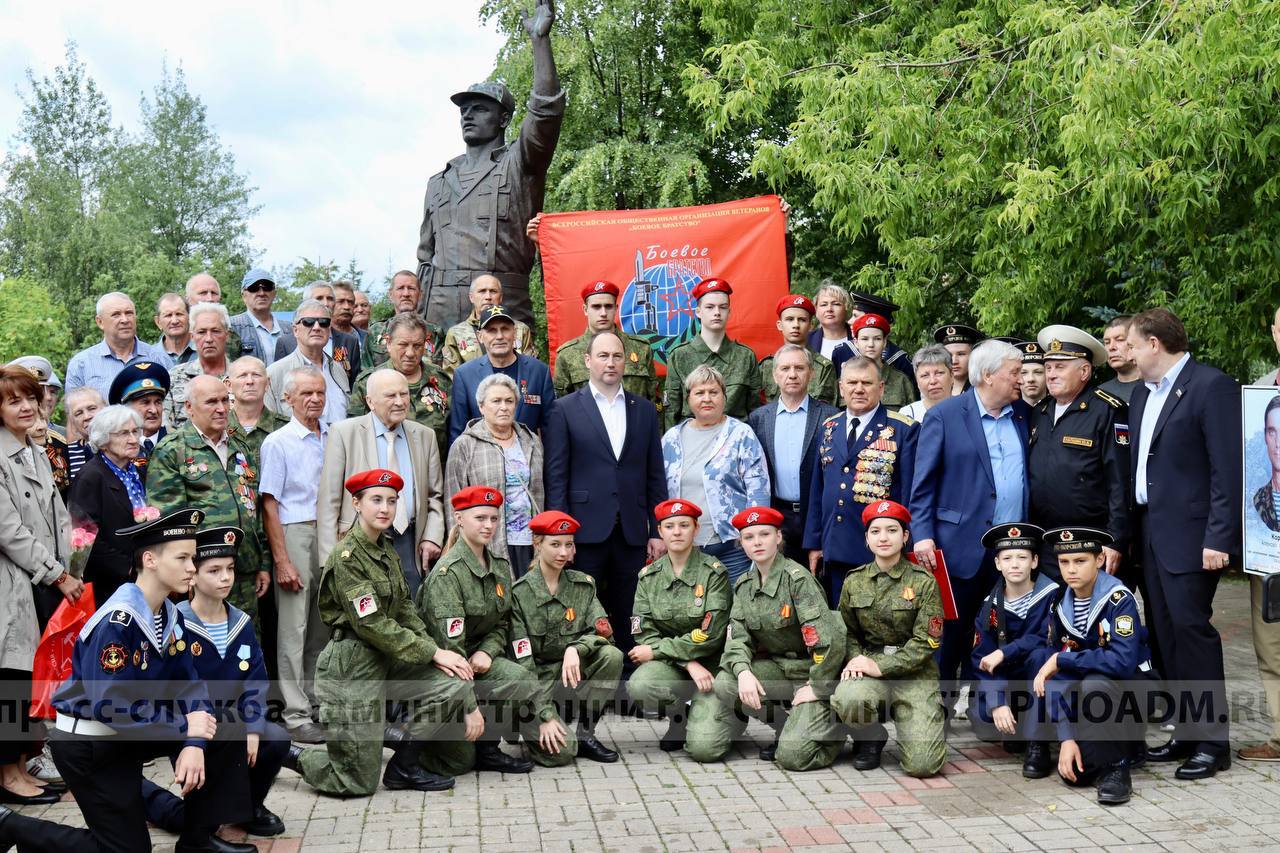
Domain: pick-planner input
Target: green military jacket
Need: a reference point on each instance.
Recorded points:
(683, 618)
(374, 349)
(462, 343)
(467, 606)
(785, 617)
(363, 595)
(735, 361)
(544, 624)
(428, 400)
(638, 374)
(894, 617)
(898, 391)
(821, 387)
(184, 471)
(268, 422)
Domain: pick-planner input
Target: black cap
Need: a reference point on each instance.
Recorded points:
(1007, 537)
(179, 524)
(1031, 352)
(494, 312)
(138, 378)
(217, 542)
(957, 333)
(1075, 540)
(872, 304)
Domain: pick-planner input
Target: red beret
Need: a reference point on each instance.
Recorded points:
(795, 300)
(597, 287)
(675, 507)
(374, 477)
(554, 523)
(711, 285)
(473, 496)
(754, 515)
(885, 509)
(870, 321)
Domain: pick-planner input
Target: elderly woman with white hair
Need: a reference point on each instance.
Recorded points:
(109, 495)
(497, 451)
(716, 462)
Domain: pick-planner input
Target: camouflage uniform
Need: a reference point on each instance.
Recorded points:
(783, 632)
(175, 412)
(376, 638)
(462, 343)
(543, 625)
(898, 390)
(466, 607)
(374, 350)
(736, 363)
(638, 374)
(428, 401)
(184, 471)
(268, 422)
(682, 619)
(894, 617)
(821, 387)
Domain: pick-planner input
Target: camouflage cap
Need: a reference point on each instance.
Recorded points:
(488, 89)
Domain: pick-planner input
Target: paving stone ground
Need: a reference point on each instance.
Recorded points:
(654, 801)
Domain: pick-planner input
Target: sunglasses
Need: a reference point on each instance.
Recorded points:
(322, 322)
(260, 287)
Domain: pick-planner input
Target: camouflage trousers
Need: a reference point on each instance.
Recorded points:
(601, 669)
(912, 703)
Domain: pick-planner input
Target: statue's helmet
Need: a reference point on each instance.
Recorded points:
(494, 91)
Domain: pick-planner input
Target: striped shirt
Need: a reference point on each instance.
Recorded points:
(158, 622)
(78, 455)
(1020, 605)
(217, 632)
(1080, 617)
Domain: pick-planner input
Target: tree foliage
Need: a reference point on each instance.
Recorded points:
(1020, 163)
(31, 321)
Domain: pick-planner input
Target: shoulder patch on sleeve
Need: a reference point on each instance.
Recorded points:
(1118, 595)
(899, 416)
(365, 604)
(522, 648)
(121, 617)
(1111, 401)
(453, 626)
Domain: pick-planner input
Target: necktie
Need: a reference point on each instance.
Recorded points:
(853, 436)
(401, 522)
(147, 446)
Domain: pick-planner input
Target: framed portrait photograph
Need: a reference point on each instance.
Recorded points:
(1261, 438)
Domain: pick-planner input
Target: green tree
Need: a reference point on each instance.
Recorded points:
(1024, 163)
(32, 322)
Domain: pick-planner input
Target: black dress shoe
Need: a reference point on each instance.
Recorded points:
(43, 798)
(306, 733)
(1174, 750)
(265, 823)
(866, 754)
(397, 778)
(58, 788)
(291, 759)
(212, 844)
(1115, 787)
(675, 737)
(489, 757)
(1203, 765)
(1037, 764)
(591, 748)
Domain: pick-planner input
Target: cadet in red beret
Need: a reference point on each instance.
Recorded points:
(473, 496)
(600, 305)
(781, 635)
(712, 347)
(362, 480)
(561, 634)
(871, 336)
(678, 623)
(795, 319)
(795, 300)
(892, 615)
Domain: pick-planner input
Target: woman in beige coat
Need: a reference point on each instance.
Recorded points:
(35, 536)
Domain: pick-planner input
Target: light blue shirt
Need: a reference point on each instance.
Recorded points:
(266, 338)
(1150, 414)
(98, 365)
(404, 462)
(1007, 463)
(292, 457)
(788, 448)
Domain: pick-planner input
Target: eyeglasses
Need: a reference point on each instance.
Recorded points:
(322, 322)
(126, 433)
(261, 286)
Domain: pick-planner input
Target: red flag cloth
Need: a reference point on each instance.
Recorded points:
(657, 257)
(944, 582)
(52, 664)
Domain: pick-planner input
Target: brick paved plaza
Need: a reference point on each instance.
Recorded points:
(652, 801)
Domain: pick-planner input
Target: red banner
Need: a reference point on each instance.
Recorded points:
(657, 257)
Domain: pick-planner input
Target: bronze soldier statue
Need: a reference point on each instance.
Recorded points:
(475, 210)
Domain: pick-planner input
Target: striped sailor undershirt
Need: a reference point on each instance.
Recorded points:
(1080, 618)
(158, 622)
(1020, 605)
(217, 632)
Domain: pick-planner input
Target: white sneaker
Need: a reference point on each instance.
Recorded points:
(962, 703)
(43, 768)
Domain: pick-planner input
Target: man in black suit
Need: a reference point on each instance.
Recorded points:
(604, 467)
(788, 431)
(1185, 420)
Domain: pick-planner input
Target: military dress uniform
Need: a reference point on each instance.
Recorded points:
(823, 385)
(894, 617)
(377, 647)
(185, 471)
(638, 376)
(543, 625)
(428, 401)
(462, 342)
(374, 350)
(736, 363)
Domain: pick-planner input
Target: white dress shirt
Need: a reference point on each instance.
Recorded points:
(614, 414)
(864, 421)
(1150, 414)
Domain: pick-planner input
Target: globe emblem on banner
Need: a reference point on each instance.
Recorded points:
(657, 304)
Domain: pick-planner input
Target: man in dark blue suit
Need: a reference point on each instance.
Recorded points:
(1185, 424)
(864, 454)
(604, 467)
(970, 474)
(536, 396)
(788, 429)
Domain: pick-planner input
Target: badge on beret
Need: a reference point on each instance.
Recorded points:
(1124, 626)
(635, 625)
(604, 628)
(453, 626)
(498, 589)
(384, 477)
(522, 647)
(698, 635)
(935, 626)
(785, 612)
(365, 605)
(810, 635)
(753, 518)
(113, 658)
